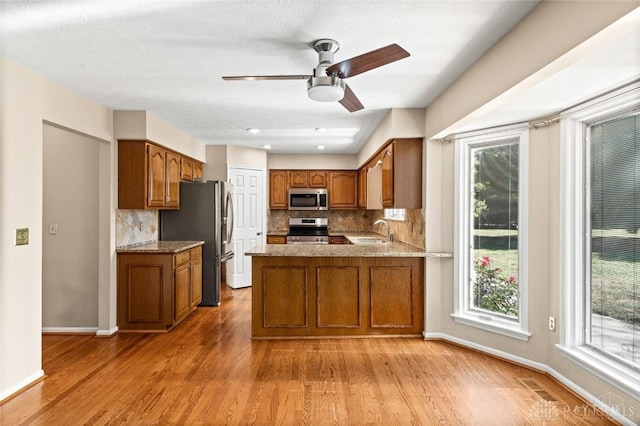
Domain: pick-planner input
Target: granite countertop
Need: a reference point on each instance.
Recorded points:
(395, 249)
(160, 247)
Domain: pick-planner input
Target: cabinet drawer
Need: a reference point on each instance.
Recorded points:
(183, 257)
(196, 252)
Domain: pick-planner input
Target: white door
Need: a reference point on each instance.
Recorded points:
(249, 219)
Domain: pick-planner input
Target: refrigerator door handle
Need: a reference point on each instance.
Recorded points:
(226, 257)
(229, 211)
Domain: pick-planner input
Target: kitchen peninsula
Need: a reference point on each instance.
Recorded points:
(337, 290)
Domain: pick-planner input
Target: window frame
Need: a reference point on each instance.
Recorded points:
(399, 215)
(463, 314)
(575, 216)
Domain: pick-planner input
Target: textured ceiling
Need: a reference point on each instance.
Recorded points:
(168, 57)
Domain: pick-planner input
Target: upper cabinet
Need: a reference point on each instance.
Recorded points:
(197, 171)
(186, 169)
(307, 178)
(278, 189)
(148, 176)
(190, 170)
(394, 175)
(343, 189)
(362, 188)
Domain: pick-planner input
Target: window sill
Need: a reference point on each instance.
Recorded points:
(492, 324)
(623, 378)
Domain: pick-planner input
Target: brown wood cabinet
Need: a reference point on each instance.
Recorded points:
(196, 277)
(278, 189)
(186, 169)
(354, 296)
(307, 178)
(276, 239)
(197, 171)
(402, 174)
(394, 176)
(148, 176)
(158, 290)
(338, 239)
(343, 189)
(362, 188)
(190, 170)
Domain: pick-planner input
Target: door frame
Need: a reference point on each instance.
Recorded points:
(263, 171)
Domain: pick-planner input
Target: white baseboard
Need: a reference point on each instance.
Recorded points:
(104, 333)
(21, 385)
(595, 402)
(70, 330)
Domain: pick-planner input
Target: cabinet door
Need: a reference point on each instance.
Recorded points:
(298, 179)
(362, 188)
(387, 177)
(276, 239)
(338, 239)
(317, 179)
(196, 281)
(197, 171)
(278, 190)
(186, 169)
(156, 161)
(173, 180)
(343, 189)
(182, 291)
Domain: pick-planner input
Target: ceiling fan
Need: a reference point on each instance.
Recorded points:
(326, 84)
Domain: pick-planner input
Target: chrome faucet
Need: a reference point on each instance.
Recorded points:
(384, 222)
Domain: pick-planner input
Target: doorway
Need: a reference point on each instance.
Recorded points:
(75, 230)
(249, 219)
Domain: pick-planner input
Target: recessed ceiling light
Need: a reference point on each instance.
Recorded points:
(321, 129)
(253, 131)
(320, 146)
(266, 146)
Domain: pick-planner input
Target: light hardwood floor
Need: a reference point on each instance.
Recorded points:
(208, 371)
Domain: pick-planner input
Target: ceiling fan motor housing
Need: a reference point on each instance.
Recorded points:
(321, 87)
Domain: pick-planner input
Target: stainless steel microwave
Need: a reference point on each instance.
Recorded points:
(308, 199)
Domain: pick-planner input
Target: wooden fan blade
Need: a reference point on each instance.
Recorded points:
(266, 77)
(350, 101)
(368, 61)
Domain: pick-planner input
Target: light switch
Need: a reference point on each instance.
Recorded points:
(53, 229)
(21, 236)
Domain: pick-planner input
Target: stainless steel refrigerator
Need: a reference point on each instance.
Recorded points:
(206, 214)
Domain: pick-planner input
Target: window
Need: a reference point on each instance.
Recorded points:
(491, 224)
(601, 244)
(394, 214)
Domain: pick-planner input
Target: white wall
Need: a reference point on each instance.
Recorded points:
(399, 123)
(70, 258)
(313, 161)
(216, 166)
(221, 157)
(546, 41)
(143, 125)
(27, 100)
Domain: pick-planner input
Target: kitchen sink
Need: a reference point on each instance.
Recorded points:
(367, 240)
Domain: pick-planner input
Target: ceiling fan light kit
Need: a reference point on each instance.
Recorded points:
(326, 84)
(325, 89)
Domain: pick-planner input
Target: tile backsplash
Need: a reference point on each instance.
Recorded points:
(136, 227)
(409, 231)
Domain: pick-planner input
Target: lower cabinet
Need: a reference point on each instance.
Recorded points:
(296, 297)
(276, 239)
(158, 290)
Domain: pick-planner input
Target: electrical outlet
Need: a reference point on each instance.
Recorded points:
(21, 236)
(53, 229)
(552, 324)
